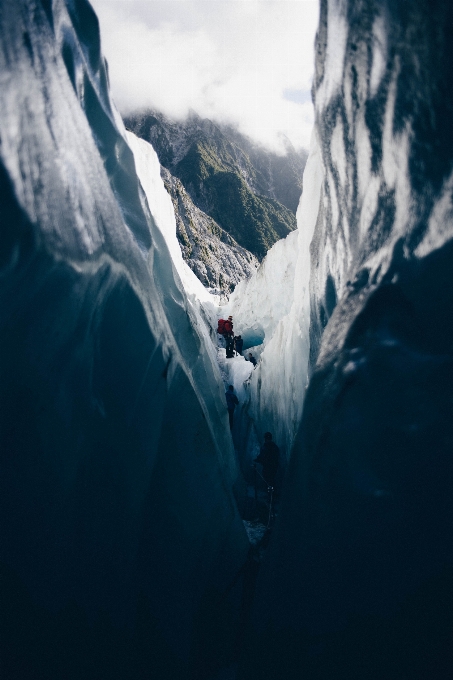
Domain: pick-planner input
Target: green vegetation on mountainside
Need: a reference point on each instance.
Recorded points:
(211, 252)
(281, 172)
(251, 192)
(255, 222)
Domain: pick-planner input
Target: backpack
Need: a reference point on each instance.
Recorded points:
(221, 326)
(227, 326)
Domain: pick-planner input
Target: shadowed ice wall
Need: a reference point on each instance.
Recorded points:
(359, 579)
(119, 531)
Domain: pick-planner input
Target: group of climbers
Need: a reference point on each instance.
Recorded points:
(269, 453)
(233, 343)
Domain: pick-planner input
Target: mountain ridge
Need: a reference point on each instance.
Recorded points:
(212, 254)
(250, 192)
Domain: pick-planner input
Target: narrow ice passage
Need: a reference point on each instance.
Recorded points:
(271, 311)
(258, 306)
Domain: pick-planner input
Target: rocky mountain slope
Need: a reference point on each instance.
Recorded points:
(250, 192)
(212, 254)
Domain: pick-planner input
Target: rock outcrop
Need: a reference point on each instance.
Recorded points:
(212, 254)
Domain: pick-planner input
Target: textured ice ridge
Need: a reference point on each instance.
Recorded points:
(118, 520)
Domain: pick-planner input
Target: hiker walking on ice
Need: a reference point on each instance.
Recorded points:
(229, 347)
(229, 337)
(269, 459)
(232, 402)
(225, 328)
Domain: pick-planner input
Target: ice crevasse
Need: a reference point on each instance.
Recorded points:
(354, 325)
(270, 310)
(120, 537)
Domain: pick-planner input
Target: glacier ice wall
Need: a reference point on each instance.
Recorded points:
(119, 531)
(202, 305)
(358, 582)
(258, 303)
(274, 304)
(160, 205)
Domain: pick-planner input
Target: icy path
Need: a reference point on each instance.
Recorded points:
(259, 303)
(204, 311)
(238, 372)
(255, 505)
(257, 509)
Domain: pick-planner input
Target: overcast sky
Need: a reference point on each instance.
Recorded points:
(248, 62)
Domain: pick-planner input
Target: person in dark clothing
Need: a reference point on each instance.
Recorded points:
(229, 340)
(232, 402)
(229, 337)
(252, 359)
(269, 459)
(238, 344)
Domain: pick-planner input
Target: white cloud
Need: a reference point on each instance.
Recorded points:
(248, 62)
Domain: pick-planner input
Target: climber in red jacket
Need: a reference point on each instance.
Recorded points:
(225, 326)
(228, 326)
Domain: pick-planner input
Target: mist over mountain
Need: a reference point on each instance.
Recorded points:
(250, 192)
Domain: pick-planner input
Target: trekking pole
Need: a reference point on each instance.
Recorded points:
(271, 492)
(256, 490)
